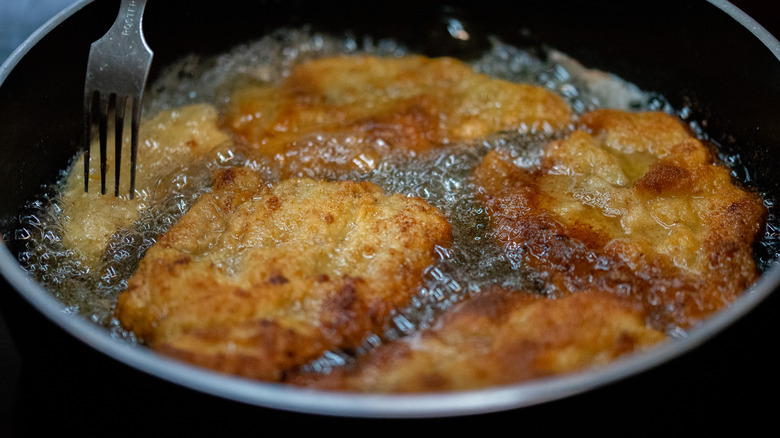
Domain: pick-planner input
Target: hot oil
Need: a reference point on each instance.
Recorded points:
(441, 177)
(91, 291)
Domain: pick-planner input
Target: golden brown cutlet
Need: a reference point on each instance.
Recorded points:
(346, 113)
(258, 278)
(631, 204)
(495, 338)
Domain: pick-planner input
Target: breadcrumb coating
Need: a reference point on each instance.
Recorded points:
(258, 278)
(632, 204)
(346, 113)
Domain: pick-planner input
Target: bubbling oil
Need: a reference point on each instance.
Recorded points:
(441, 177)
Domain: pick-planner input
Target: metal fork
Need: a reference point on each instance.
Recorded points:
(117, 70)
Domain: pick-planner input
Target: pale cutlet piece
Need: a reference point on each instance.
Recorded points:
(346, 113)
(499, 337)
(631, 204)
(258, 278)
(166, 143)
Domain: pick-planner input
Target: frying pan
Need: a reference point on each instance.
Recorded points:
(706, 56)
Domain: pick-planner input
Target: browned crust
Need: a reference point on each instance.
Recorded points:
(258, 278)
(499, 337)
(680, 239)
(346, 113)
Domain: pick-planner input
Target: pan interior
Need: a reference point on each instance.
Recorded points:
(743, 147)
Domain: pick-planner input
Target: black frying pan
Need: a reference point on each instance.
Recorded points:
(698, 54)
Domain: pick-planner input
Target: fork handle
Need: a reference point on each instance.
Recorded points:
(128, 21)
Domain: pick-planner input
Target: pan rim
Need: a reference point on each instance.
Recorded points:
(349, 404)
(352, 404)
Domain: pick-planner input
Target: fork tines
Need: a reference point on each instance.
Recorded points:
(98, 109)
(117, 70)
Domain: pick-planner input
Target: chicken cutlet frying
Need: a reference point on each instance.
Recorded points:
(630, 204)
(629, 220)
(346, 113)
(258, 278)
(498, 337)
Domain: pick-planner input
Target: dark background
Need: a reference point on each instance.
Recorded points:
(733, 379)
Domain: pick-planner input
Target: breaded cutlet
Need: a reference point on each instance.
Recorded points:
(345, 113)
(167, 143)
(498, 337)
(258, 278)
(631, 204)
